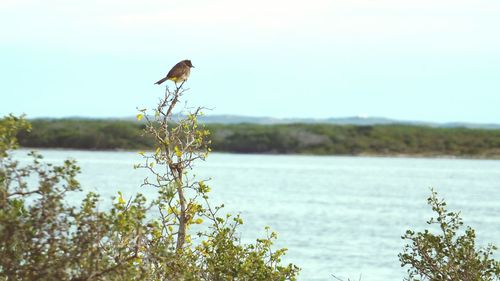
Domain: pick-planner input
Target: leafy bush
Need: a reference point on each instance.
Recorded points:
(44, 238)
(448, 255)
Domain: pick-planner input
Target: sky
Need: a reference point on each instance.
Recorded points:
(426, 60)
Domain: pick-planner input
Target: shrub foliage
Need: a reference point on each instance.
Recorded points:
(42, 237)
(450, 254)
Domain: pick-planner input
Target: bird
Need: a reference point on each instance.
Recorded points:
(179, 73)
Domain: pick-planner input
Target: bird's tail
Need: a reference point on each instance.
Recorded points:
(161, 81)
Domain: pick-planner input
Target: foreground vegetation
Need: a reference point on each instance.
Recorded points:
(321, 139)
(43, 237)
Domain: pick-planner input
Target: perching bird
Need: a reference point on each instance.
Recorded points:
(179, 73)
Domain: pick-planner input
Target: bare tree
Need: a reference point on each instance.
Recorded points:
(178, 144)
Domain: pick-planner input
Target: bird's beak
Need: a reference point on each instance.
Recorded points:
(192, 66)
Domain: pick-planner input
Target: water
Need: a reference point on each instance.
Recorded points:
(336, 215)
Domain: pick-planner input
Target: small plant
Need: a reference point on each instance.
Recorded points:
(178, 144)
(183, 201)
(447, 255)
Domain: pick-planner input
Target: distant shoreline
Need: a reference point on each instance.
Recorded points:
(281, 139)
(417, 156)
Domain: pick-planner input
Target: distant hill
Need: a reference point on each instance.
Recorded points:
(355, 120)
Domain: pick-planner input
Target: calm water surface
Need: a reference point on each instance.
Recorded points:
(336, 215)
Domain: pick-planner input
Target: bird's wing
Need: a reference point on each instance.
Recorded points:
(177, 71)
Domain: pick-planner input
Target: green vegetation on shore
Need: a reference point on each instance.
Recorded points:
(320, 139)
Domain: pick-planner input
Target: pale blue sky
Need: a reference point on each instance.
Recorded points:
(426, 60)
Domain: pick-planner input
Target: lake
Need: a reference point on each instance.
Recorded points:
(336, 215)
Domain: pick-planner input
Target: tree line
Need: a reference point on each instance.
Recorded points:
(318, 139)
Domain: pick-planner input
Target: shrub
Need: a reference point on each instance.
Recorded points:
(447, 255)
(42, 237)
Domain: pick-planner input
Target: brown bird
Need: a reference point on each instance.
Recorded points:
(179, 73)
